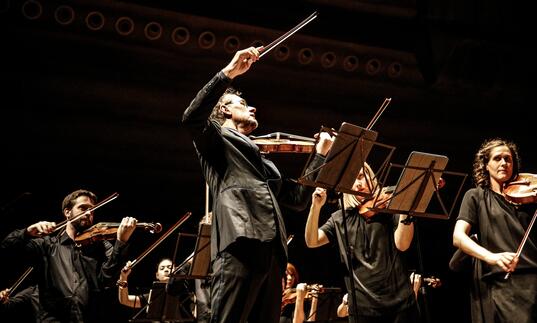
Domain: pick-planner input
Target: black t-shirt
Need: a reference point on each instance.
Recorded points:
(288, 312)
(500, 227)
(380, 278)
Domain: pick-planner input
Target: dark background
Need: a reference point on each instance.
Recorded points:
(92, 93)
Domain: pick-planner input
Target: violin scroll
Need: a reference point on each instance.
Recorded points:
(152, 227)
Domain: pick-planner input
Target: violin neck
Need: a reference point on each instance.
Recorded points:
(117, 224)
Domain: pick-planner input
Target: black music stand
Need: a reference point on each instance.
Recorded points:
(163, 307)
(345, 159)
(197, 265)
(327, 303)
(200, 259)
(342, 165)
(419, 180)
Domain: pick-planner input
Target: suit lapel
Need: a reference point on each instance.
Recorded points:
(249, 151)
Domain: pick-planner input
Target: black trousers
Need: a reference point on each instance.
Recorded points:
(409, 315)
(246, 284)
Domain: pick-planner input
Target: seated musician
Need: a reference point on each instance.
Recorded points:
(164, 269)
(179, 298)
(295, 296)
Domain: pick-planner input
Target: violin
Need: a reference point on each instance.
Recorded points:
(381, 201)
(523, 190)
(290, 294)
(377, 203)
(433, 281)
(108, 231)
(280, 142)
(284, 146)
(288, 297)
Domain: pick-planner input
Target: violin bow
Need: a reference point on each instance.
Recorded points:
(88, 211)
(523, 242)
(19, 281)
(164, 236)
(288, 34)
(377, 115)
(290, 238)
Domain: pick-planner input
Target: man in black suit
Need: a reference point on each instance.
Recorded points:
(248, 247)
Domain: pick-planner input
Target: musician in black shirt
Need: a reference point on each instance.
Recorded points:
(500, 227)
(70, 276)
(381, 284)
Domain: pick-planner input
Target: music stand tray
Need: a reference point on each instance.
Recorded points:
(202, 253)
(163, 307)
(199, 260)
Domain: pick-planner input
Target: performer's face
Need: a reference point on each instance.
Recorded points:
(82, 203)
(290, 279)
(240, 113)
(500, 165)
(360, 183)
(164, 270)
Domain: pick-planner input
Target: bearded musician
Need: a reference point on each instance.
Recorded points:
(71, 276)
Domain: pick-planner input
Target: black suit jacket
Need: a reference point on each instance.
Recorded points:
(246, 187)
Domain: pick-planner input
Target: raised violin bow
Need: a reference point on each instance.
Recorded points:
(377, 115)
(164, 236)
(19, 281)
(288, 34)
(107, 200)
(290, 238)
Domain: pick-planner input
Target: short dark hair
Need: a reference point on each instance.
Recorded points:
(69, 200)
(162, 260)
(482, 158)
(217, 113)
